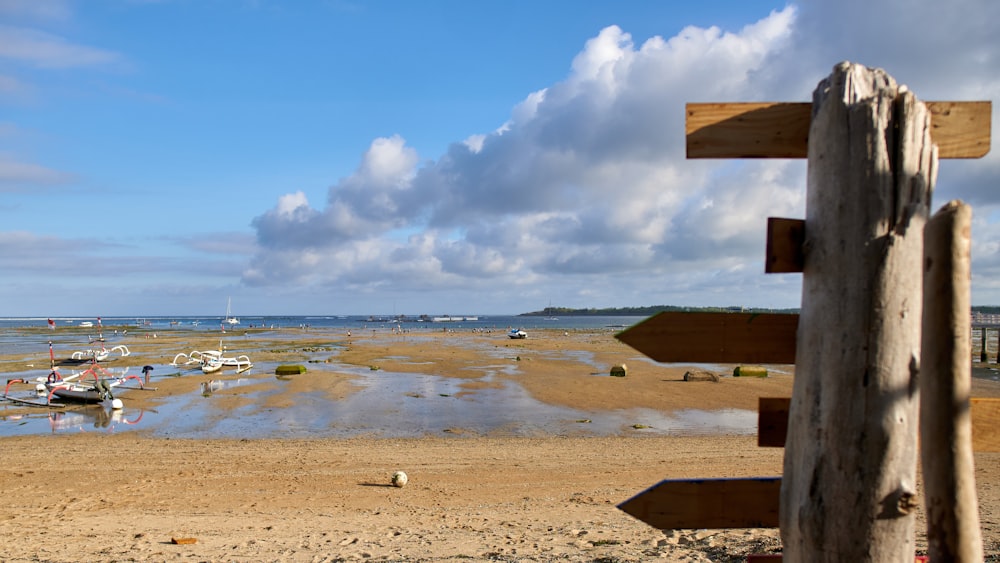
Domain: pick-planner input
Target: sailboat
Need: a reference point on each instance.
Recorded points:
(230, 319)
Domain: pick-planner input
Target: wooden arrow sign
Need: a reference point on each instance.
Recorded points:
(785, 240)
(728, 338)
(708, 503)
(772, 423)
(781, 129)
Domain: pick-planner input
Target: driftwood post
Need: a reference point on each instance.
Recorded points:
(849, 487)
(945, 382)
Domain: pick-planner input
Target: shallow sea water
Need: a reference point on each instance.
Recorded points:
(388, 404)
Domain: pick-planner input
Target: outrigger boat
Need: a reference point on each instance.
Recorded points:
(212, 361)
(99, 355)
(74, 387)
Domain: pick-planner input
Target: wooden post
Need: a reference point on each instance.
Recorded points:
(849, 487)
(982, 347)
(998, 346)
(945, 382)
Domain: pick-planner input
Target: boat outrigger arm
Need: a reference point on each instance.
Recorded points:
(100, 355)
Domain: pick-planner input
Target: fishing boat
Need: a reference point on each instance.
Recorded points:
(95, 354)
(211, 361)
(75, 387)
(99, 355)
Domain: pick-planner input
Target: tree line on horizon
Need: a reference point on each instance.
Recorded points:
(645, 311)
(654, 309)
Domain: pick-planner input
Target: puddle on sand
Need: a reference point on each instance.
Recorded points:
(389, 404)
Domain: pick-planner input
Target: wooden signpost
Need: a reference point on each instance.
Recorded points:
(848, 489)
(715, 337)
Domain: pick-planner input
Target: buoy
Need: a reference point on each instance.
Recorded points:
(117, 404)
(399, 479)
(750, 371)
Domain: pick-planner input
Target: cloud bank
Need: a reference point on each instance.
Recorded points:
(582, 195)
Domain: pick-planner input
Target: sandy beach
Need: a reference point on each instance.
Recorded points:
(472, 495)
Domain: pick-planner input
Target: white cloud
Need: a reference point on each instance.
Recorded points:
(585, 193)
(586, 179)
(45, 50)
(17, 176)
(46, 10)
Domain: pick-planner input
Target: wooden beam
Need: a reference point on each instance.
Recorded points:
(781, 129)
(785, 238)
(772, 423)
(729, 338)
(985, 417)
(708, 503)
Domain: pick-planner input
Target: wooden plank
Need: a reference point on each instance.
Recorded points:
(747, 130)
(732, 338)
(781, 129)
(708, 503)
(985, 424)
(961, 129)
(785, 238)
(772, 423)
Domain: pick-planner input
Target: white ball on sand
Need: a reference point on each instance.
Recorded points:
(399, 479)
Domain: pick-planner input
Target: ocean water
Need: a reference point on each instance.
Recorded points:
(330, 321)
(387, 405)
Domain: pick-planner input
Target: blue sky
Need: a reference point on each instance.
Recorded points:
(440, 157)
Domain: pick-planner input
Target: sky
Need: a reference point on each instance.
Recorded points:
(342, 157)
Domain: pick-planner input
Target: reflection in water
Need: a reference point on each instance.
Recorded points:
(97, 417)
(213, 385)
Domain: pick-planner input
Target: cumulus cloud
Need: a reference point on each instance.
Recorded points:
(587, 176)
(585, 192)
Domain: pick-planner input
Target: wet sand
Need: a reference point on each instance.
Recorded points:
(124, 496)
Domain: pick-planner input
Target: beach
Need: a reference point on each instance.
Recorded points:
(502, 494)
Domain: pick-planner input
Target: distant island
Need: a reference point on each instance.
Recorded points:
(990, 312)
(644, 311)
